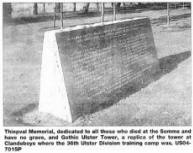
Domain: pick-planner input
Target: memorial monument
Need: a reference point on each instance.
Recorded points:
(85, 66)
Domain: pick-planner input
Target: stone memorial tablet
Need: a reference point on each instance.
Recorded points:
(84, 67)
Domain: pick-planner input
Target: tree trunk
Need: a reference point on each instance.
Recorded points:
(86, 8)
(7, 9)
(57, 8)
(35, 9)
(74, 7)
(98, 7)
(118, 6)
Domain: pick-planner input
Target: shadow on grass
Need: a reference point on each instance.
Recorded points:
(166, 64)
(169, 63)
(25, 109)
(163, 19)
(18, 115)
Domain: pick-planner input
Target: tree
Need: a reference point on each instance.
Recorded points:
(35, 9)
(57, 8)
(74, 7)
(98, 7)
(85, 8)
(7, 9)
(117, 6)
(44, 7)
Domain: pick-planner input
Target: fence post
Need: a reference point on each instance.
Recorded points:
(168, 14)
(102, 12)
(55, 15)
(61, 13)
(44, 8)
(114, 11)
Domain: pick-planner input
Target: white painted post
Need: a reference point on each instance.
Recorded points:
(114, 11)
(55, 16)
(102, 12)
(168, 14)
(183, 5)
(61, 9)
